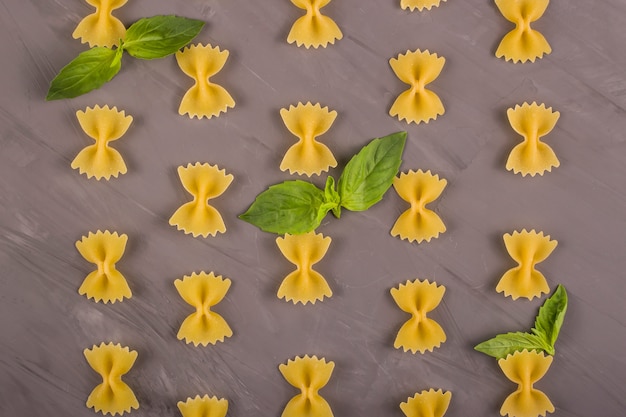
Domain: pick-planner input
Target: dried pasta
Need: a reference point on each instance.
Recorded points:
(101, 28)
(419, 4)
(204, 98)
(429, 403)
(419, 333)
(204, 182)
(418, 69)
(203, 291)
(203, 407)
(308, 156)
(313, 29)
(104, 125)
(525, 369)
(527, 249)
(522, 43)
(106, 283)
(111, 361)
(532, 156)
(418, 189)
(304, 285)
(309, 374)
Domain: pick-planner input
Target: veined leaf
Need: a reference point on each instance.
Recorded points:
(550, 318)
(505, 344)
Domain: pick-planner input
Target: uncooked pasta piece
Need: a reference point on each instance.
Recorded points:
(525, 369)
(203, 291)
(101, 28)
(522, 43)
(308, 156)
(532, 156)
(304, 285)
(419, 333)
(429, 403)
(417, 69)
(313, 29)
(418, 189)
(104, 125)
(204, 98)
(111, 361)
(203, 182)
(203, 407)
(309, 374)
(527, 249)
(106, 283)
(419, 4)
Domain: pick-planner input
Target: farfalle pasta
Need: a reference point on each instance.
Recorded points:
(204, 98)
(111, 361)
(429, 403)
(525, 369)
(101, 28)
(419, 4)
(417, 69)
(104, 125)
(527, 249)
(522, 43)
(418, 189)
(203, 407)
(309, 374)
(307, 122)
(313, 29)
(419, 333)
(203, 291)
(106, 283)
(532, 156)
(204, 182)
(304, 285)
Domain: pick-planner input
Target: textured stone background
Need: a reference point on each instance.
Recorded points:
(46, 206)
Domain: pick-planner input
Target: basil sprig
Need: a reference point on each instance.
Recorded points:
(148, 38)
(297, 207)
(541, 337)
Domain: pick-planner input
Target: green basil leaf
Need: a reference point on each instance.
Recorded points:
(551, 315)
(88, 71)
(332, 196)
(159, 36)
(505, 344)
(292, 207)
(369, 174)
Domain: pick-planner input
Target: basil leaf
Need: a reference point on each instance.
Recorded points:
(369, 174)
(159, 36)
(505, 344)
(292, 207)
(88, 71)
(550, 318)
(332, 196)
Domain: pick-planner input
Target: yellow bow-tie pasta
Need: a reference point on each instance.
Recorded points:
(419, 4)
(418, 189)
(429, 403)
(304, 285)
(525, 369)
(203, 407)
(532, 156)
(527, 249)
(104, 125)
(203, 291)
(106, 283)
(203, 182)
(204, 98)
(313, 29)
(309, 374)
(308, 156)
(522, 43)
(419, 333)
(418, 69)
(111, 361)
(101, 28)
